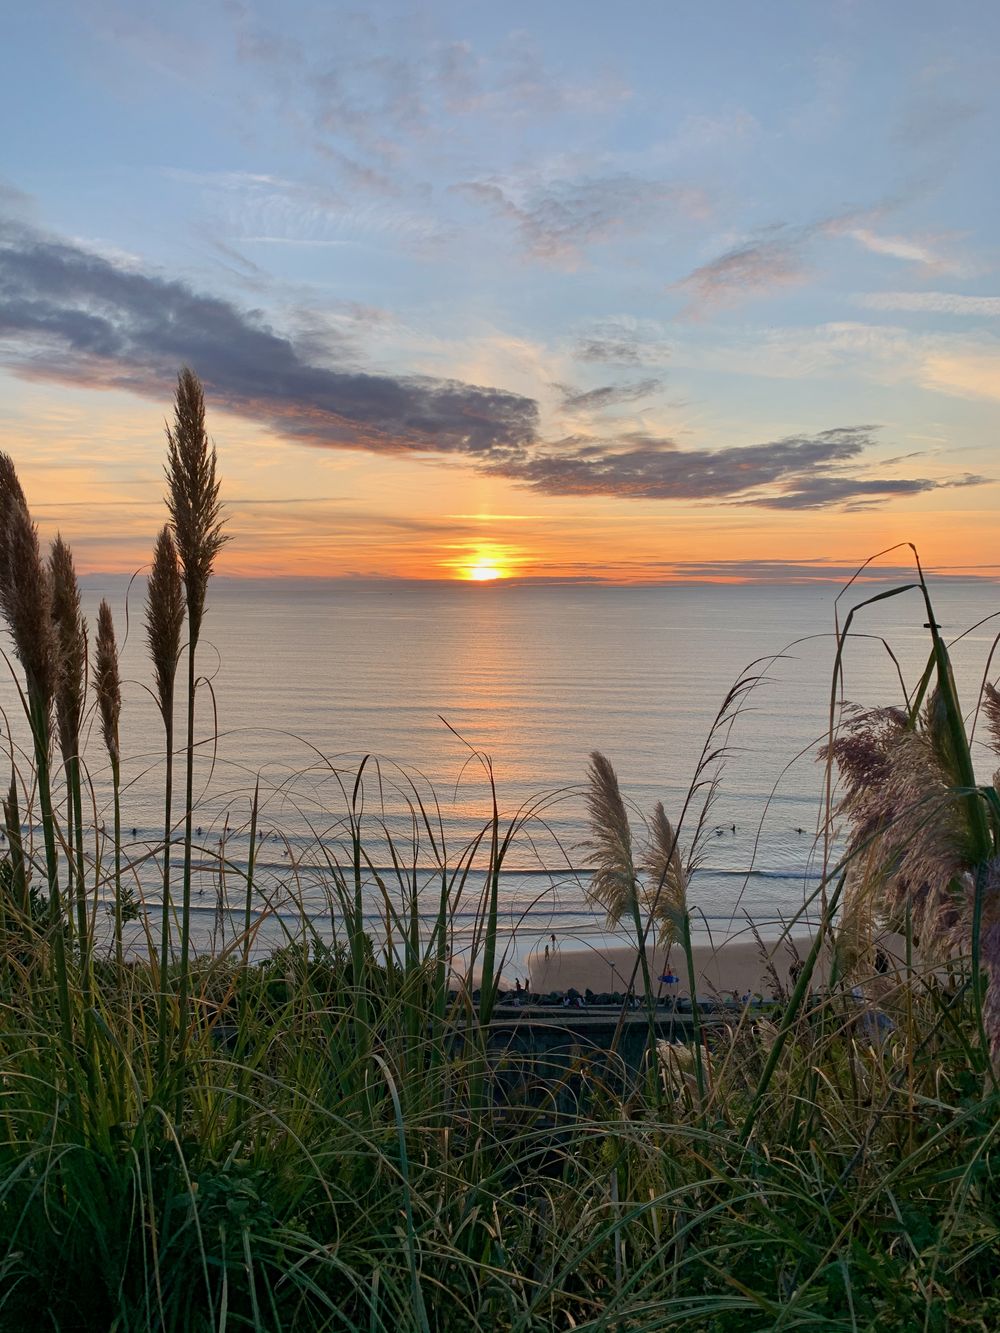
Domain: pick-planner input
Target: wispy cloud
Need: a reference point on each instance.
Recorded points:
(818, 570)
(932, 114)
(781, 257)
(957, 364)
(373, 87)
(252, 209)
(936, 303)
(608, 395)
(746, 271)
(557, 221)
(623, 341)
(925, 251)
(512, 81)
(967, 375)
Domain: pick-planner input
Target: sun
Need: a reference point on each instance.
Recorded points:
(485, 568)
(486, 562)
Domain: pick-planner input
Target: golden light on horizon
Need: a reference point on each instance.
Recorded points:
(484, 568)
(484, 561)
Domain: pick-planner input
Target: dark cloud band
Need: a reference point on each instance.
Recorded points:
(71, 315)
(798, 472)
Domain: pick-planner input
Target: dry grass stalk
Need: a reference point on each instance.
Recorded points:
(107, 687)
(164, 623)
(767, 962)
(165, 619)
(989, 946)
(678, 1063)
(107, 682)
(19, 878)
(196, 514)
(193, 495)
(70, 635)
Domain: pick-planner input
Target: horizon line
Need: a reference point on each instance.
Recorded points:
(839, 576)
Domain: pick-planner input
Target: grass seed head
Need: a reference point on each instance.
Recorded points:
(193, 495)
(70, 640)
(25, 592)
(11, 491)
(665, 877)
(165, 618)
(610, 849)
(909, 840)
(107, 681)
(991, 707)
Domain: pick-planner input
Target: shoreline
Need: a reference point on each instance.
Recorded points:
(727, 969)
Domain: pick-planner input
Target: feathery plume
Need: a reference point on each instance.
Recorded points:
(193, 495)
(164, 618)
(991, 707)
(107, 681)
(25, 593)
(909, 839)
(11, 491)
(70, 637)
(614, 881)
(26, 606)
(666, 880)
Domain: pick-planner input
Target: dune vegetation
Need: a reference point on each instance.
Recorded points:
(327, 1139)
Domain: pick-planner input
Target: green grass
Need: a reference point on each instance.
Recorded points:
(319, 1176)
(326, 1140)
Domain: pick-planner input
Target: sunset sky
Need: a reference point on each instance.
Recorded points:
(557, 290)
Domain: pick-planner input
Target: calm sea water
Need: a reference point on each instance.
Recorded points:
(309, 677)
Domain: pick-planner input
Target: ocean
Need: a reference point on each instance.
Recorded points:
(441, 685)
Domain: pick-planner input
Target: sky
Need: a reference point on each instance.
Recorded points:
(561, 290)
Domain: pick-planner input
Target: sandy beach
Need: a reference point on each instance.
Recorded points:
(727, 968)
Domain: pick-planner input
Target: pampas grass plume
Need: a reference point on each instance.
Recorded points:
(909, 840)
(609, 851)
(164, 618)
(193, 495)
(70, 631)
(665, 873)
(107, 681)
(25, 593)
